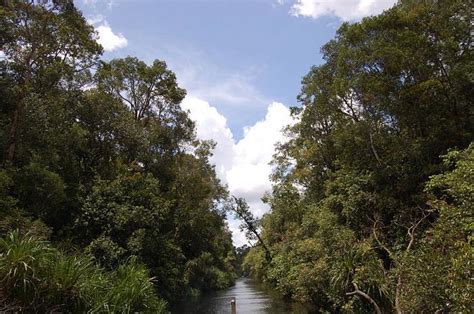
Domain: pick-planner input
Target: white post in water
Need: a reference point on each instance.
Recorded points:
(233, 306)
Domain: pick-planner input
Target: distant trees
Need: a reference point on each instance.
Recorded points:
(100, 158)
(361, 191)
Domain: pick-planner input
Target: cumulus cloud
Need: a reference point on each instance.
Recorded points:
(346, 10)
(249, 175)
(106, 37)
(110, 40)
(238, 237)
(210, 124)
(243, 165)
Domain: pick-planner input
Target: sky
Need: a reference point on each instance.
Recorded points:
(241, 62)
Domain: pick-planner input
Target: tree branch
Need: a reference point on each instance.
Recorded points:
(412, 229)
(246, 216)
(364, 295)
(411, 234)
(373, 150)
(379, 242)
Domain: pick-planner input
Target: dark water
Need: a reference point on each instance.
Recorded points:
(251, 298)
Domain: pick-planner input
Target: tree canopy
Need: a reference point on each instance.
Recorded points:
(109, 202)
(361, 191)
(99, 159)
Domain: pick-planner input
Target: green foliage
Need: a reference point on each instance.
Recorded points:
(121, 207)
(254, 263)
(149, 90)
(365, 214)
(37, 277)
(41, 193)
(21, 261)
(48, 48)
(240, 255)
(441, 267)
(131, 291)
(108, 253)
(107, 164)
(7, 202)
(203, 275)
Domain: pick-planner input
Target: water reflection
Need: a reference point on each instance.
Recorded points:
(251, 298)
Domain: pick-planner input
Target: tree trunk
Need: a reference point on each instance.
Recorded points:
(398, 307)
(13, 133)
(268, 254)
(12, 136)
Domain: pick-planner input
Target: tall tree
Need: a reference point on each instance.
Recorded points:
(149, 91)
(250, 224)
(153, 96)
(45, 45)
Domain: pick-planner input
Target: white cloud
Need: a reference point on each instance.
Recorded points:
(96, 19)
(94, 3)
(106, 37)
(347, 10)
(243, 165)
(238, 237)
(210, 124)
(249, 175)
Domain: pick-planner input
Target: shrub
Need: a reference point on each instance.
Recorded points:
(35, 277)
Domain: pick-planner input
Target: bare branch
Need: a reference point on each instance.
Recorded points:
(364, 295)
(412, 229)
(354, 116)
(411, 234)
(242, 211)
(374, 151)
(379, 242)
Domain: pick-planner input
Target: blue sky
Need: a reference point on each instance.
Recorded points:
(251, 42)
(241, 62)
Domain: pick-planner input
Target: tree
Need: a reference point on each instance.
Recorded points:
(46, 44)
(105, 164)
(393, 95)
(152, 95)
(250, 224)
(149, 91)
(438, 270)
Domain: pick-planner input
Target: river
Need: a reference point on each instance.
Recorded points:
(251, 298)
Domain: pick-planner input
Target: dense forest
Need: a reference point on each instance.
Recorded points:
(372, 202)
(108, 202)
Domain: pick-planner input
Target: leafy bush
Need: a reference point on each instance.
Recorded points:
(440, 272)
(23, 262)
(41, 193)
(201, 274)
(130, 290)
(36, 277)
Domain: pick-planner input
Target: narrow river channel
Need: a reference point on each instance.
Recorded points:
(251, 298)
